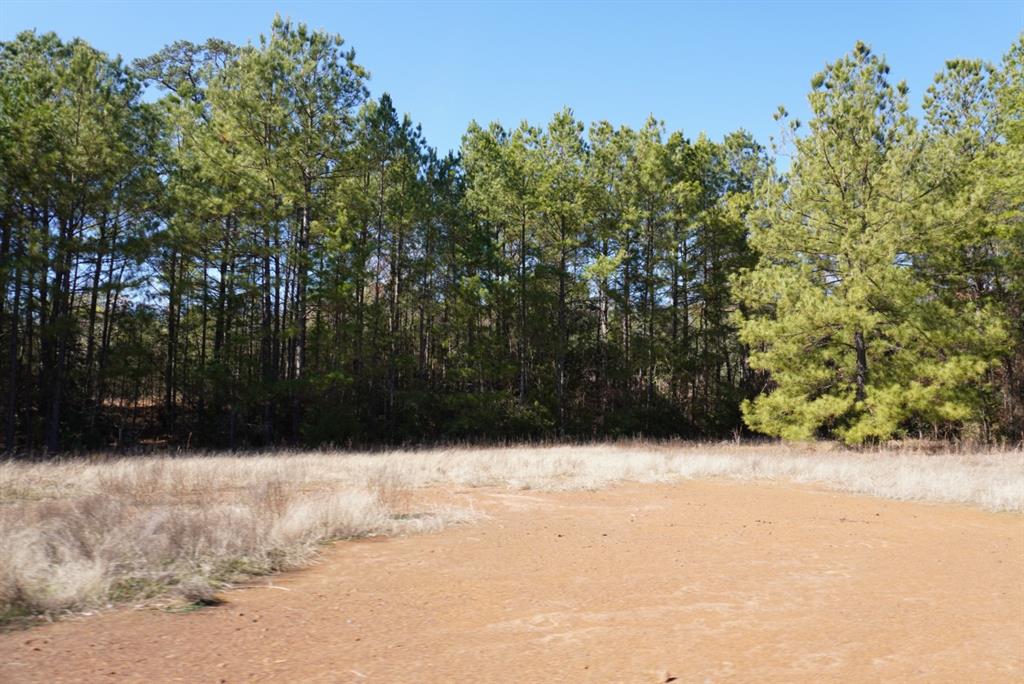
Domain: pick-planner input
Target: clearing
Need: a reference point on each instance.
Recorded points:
(691, 581)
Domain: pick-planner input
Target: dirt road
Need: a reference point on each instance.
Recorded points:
(699, 581)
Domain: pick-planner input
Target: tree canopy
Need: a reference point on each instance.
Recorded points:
(266, 254)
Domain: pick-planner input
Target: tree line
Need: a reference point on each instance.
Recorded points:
(265, 254)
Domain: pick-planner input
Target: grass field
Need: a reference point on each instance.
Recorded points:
(82, 534)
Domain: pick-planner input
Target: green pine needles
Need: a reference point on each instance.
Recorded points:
(882, 299)
(266, 254)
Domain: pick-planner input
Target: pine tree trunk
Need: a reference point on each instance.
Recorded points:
(862, 364)
(522, 312)
(562, 333)
(172, 333)
(11, 403)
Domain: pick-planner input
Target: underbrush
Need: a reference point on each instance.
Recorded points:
(82, 534)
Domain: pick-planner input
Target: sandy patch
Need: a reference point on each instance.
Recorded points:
(700, 581)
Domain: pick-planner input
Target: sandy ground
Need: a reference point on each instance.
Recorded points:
(695, 582)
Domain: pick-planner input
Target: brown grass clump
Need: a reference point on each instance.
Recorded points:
(77, 535)
(392, 490)
(133, 530)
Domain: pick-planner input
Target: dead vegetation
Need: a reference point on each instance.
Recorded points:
(81, 534)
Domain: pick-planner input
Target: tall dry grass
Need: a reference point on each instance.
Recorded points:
(78, 534)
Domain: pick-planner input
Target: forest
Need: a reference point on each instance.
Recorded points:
(233, 246)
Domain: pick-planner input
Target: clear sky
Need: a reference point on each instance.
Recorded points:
(710, 67)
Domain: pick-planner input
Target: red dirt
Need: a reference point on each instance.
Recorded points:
(699, 581)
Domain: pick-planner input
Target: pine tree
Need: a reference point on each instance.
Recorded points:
(857, 342)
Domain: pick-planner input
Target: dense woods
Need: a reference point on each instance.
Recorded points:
(259, 252)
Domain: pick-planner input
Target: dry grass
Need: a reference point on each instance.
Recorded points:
(80, 534)
(76, 536)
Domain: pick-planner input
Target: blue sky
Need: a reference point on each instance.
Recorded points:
(710, 67)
